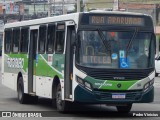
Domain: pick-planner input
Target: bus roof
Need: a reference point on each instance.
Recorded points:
(73, 16)
(42, 20)
(118, 12)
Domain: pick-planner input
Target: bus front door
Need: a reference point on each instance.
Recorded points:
(69, 61)
(32, 59)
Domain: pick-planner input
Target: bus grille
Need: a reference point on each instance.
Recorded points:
(106, 75)
(117, 74)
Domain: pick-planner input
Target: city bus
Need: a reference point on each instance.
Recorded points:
(94, 58)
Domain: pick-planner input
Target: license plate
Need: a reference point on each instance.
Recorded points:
(118, 96)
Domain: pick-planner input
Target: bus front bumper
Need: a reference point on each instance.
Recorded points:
(103, 97)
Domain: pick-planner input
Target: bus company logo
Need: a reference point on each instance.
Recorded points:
(119, 78)
(119, 85)
(15, 62)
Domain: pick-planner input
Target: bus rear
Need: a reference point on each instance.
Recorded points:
(114, 59)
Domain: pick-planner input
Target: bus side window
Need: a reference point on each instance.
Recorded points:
(50, 38)
(16, 39)
(60, 36)
(24, 40)
(42, 38)
(8, 40)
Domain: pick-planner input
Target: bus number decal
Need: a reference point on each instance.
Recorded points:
(15, 62)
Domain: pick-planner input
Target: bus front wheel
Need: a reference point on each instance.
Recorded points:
(62, 106)
(22, 97)
(124, 109)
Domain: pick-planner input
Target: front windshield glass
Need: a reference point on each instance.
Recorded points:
(126, 50)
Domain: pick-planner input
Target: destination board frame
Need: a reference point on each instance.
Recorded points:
(116, 20)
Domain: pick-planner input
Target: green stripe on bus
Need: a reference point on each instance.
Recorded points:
(117, 85)
(43, 69)
(110, 84)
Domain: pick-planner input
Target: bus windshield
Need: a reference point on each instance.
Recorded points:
(118, 49)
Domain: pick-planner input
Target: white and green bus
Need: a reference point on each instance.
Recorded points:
(93, 58)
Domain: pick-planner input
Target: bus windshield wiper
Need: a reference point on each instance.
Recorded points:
(104, 41)
(130, 42)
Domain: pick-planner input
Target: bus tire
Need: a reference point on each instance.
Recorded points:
(156, 75)
(61, 105)
(22, 97)
(124, 109)
(32, 99)
(53, 102)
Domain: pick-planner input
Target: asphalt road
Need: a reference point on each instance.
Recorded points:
(9, 102)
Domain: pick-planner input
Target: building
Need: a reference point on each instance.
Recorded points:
(151, 9)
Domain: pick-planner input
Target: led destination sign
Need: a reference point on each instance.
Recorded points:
(125, 20)
(97, 20)
(116, 20)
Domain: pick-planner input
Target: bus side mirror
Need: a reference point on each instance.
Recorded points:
(73, 38)
(73, 42)
(78, 42)
(154, 39)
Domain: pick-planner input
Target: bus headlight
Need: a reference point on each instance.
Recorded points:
(86, 84)
(80, 81)
(149, 84)
(146, 86)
